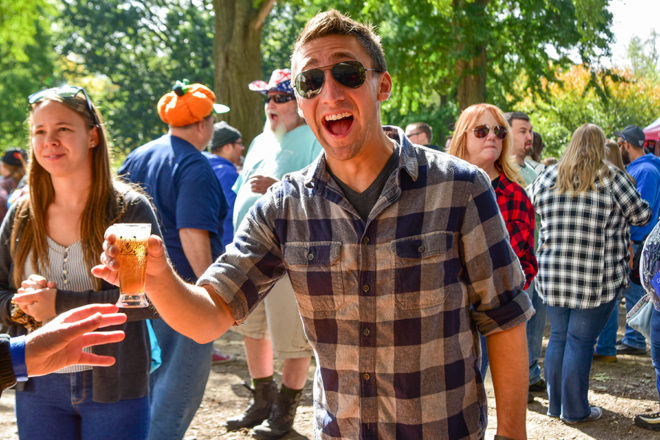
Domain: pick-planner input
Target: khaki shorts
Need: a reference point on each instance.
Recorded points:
(277, 318)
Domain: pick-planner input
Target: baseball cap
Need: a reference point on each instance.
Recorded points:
(223, 134)
(15, 156)
(632, 134)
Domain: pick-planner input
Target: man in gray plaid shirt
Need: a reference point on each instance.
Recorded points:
(397, 254)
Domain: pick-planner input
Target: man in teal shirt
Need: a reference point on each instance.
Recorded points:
(286, 144)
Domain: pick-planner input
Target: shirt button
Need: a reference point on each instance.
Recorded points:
(310, 256)
(421, 249)
(66, 259)
(64, 272)
(366, 331)
(366, 376)
(365, 288)
(66, 281)
(365, 240)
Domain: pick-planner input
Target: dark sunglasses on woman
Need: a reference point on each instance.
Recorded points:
(481, 131)
(351, 74)
(64, 92)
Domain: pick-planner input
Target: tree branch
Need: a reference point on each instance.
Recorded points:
(263, 12)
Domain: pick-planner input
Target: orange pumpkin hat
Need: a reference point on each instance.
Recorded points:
(187, 104)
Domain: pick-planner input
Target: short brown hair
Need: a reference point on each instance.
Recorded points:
(423, 127)
(333, 22)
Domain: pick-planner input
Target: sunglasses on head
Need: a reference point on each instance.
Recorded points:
(64, 92)
(481, 131)
(351, 74)
(279, 99)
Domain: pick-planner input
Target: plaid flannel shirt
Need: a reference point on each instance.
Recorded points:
(518, 214)
(391, 305)
(583, 241)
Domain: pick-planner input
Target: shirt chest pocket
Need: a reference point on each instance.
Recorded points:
(316, 275)
(423, 265)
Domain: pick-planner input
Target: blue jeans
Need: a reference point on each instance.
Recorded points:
(177, 386)
(573, 333)
(483, 367)
(655, 347)
(535, 329)
(606, 345)
(60, 407)
(607, 340)
(631, 337)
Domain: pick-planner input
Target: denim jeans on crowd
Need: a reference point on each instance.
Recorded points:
(655, 347)
(535, 329)
(606, 344)
(573, 333)
(177, 386)
(60, 407)
(632, 294)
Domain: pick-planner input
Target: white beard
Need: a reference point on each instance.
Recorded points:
(278, 133)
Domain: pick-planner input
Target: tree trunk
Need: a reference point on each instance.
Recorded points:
(471, 66)
(472, 79)
(237, 58)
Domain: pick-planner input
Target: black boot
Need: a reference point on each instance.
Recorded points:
(263, 396)
(281, 416)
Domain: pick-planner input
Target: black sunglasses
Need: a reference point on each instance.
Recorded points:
(64, 92)
(279, 99)
(481, 131)
(351, 74)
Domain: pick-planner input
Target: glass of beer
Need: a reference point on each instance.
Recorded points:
(132, 258)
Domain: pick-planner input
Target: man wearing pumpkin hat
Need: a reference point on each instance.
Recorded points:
(286, 145)
(190, 205)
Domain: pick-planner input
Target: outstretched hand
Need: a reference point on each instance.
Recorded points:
(60, 343)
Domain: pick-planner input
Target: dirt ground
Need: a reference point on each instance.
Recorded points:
(622, 389)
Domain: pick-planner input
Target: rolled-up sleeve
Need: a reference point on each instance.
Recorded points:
(494, 275)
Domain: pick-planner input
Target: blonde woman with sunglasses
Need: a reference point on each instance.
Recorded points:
(48, 243)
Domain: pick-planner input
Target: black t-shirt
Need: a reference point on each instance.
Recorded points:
(363, 202)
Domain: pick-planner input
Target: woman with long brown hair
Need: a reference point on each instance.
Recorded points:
(48, 245)
(586, 206)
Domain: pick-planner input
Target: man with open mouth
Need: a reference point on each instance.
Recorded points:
(397, 254)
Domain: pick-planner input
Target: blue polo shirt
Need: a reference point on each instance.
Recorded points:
(646, 171)
(184, 190)
(227, 174)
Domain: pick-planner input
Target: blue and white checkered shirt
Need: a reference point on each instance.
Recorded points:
(583, 240)
(392, 305)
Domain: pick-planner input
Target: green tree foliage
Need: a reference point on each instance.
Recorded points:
(142, 48)
(444, 55)
(26, 63)
(566, 105)
(644, 58)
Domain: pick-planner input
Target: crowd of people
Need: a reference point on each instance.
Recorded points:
(406, 271)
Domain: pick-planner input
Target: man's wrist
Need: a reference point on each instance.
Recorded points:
(17, 353)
